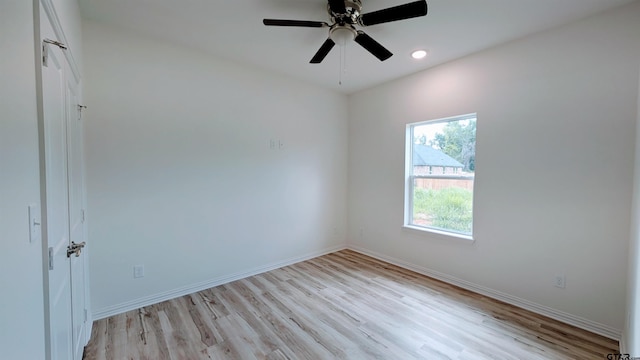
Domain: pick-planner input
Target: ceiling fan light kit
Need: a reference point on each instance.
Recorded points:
(341, 35)
(345, 16)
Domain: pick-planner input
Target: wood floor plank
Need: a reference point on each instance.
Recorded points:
(343, 305)
(96, 348)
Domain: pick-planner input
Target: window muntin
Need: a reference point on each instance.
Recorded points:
(440, 173)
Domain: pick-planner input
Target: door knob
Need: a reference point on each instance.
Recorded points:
(75, 248)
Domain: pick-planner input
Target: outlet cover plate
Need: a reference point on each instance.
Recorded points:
(138, 271)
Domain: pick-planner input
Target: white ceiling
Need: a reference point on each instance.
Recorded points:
(233, 29)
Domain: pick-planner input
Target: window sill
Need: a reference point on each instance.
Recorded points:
(423, 230)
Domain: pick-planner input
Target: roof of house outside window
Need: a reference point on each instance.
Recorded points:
(424, 155)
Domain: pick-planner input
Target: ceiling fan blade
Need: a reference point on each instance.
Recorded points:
(372, 46)
(300, 23)
(337, 6)
(323, 51)
(400, 12)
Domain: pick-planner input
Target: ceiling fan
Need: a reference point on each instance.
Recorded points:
(345, 15)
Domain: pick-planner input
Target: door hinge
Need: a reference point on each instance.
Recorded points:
(86, 317)
(80, 108)
(56, 43)
(50, 258)
(45, 55)
(83, 215)
(45, 49)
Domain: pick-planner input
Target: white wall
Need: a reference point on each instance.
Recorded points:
(22, 308)
(555, 139)
(180, 175)
(631, 336)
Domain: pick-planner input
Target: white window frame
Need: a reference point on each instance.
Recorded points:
(410, 177)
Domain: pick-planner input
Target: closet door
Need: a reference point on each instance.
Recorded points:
(57, 203)
(77, 233)
(63, 190)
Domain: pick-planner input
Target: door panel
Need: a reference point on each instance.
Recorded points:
(76, 217)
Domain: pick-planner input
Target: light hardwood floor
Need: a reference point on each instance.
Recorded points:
(343, 305)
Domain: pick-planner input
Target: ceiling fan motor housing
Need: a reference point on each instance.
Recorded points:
(350, 16)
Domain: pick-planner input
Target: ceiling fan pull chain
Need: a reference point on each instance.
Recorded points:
(341, 65)
(344, 62)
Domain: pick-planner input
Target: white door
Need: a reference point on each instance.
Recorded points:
(64, 198)
(57, 204)
(77, 232)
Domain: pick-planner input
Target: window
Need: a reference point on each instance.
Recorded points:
(440, 167)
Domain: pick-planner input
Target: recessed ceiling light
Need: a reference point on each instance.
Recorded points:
(418, 54)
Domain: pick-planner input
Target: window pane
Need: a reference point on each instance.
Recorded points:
(444, 147)
(444, 204)
(442, 167)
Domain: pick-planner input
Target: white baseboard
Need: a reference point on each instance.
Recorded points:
(190, 289)
(592, 326)
(623, 345)
(89, 330)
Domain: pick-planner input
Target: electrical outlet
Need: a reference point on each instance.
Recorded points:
(138, 271)
(561, 281)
